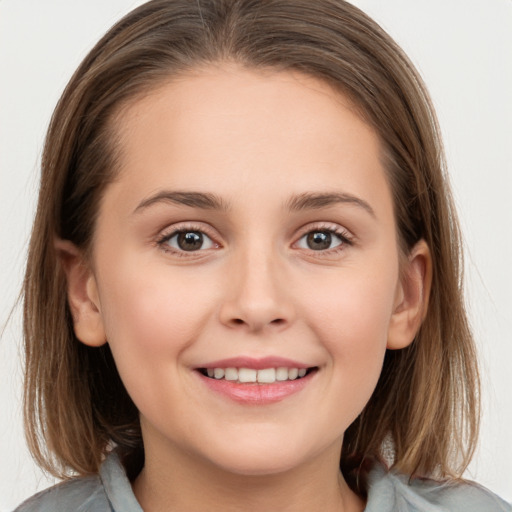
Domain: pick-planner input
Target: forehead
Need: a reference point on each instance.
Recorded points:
(224, 127)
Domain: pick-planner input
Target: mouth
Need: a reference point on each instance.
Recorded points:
(256, 381)
(257, 376)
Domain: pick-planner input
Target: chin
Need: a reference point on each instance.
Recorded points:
(261, 458)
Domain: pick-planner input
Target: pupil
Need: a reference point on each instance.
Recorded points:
(319, 240)
(190, 240)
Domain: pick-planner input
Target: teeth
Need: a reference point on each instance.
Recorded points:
(231, 374)
(218, 373)
(282, 374)
(247, 375)
(264, 376)
(267, 376)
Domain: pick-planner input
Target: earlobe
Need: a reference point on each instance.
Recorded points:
(411, 301)
(82, 293)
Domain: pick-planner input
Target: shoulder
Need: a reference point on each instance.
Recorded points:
(110, 491)
(79, 494)
(392, 492)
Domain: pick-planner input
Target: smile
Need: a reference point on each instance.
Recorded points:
(251, 375)
(257, 381)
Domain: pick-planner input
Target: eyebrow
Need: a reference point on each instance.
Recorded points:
(204, 201)
(315, 200)
(208, 201)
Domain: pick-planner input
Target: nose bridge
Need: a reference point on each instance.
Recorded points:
(256, 298)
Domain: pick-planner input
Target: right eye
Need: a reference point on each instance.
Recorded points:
(187, 240)
(321, 240)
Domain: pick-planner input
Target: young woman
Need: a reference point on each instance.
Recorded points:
(243, 285)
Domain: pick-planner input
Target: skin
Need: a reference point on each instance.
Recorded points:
(258, 142)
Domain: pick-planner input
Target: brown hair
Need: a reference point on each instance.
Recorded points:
(423, 415)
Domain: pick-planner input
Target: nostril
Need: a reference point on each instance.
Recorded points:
(276, 321)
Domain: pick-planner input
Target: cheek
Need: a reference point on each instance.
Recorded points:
(151, 316)
(148, 312)
(353, 303)
(350, 314)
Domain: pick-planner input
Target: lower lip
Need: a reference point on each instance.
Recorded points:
(257, 394)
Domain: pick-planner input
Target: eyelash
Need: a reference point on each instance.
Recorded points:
(166, 236)
(345, 238)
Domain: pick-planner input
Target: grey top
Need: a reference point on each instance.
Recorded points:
(110, 491)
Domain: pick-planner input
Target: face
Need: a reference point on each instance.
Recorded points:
(245, 269)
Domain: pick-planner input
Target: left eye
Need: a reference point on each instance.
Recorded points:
(189, 241)
(320, 240)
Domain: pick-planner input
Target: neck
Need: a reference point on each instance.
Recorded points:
(181, 482)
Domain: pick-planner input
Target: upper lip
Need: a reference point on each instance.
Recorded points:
(256, 363)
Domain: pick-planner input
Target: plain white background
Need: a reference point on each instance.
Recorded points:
(463, 49)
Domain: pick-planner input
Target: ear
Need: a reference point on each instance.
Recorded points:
(411, 300)
(82, 292)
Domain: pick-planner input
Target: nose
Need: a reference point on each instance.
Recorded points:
(257, 296)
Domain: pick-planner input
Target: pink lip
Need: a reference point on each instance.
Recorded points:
(256, 363)
(256, 394)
